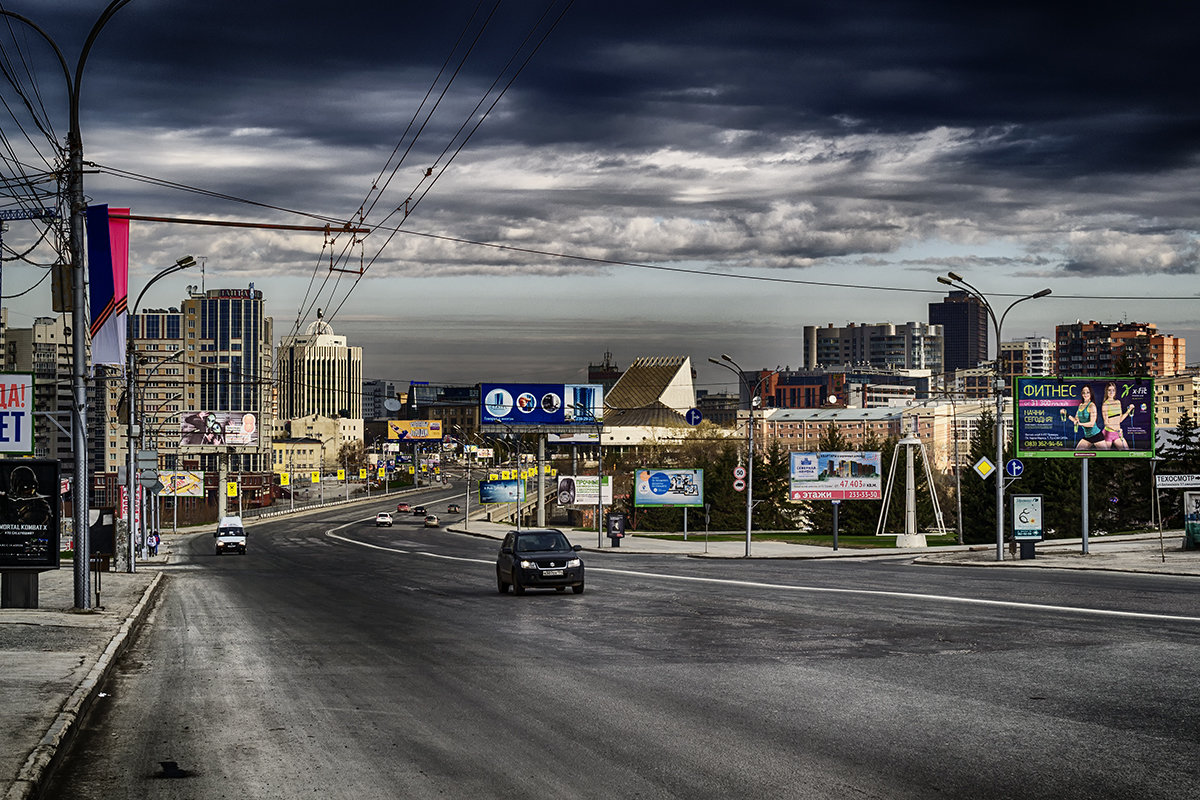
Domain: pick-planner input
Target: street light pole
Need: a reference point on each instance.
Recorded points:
(129, 551)
(753, 401)
(957, 282)
(79, 317)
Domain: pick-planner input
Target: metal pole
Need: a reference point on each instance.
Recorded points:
(1083, 489)
(750, 480)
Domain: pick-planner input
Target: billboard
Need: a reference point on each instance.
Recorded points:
(669, 487)
(414, 429)
(835, 476)
(218, 429)
(29, 514)
(541, 404)
(580, 490)
(182, 484)
(16, 413)
(501, 491)
(1068, 417)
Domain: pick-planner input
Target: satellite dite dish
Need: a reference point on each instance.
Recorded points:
(391, 404)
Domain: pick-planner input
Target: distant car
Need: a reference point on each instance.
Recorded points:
(419, 510)
(538, 558)
(454, 508)
(383, 518)
(402, 507)
(431, 521)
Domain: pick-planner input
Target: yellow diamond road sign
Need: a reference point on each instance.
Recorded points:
(984, 467)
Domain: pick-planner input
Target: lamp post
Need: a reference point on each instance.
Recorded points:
(132, 429)
(79, 316)
(957, 282)
(753, 401)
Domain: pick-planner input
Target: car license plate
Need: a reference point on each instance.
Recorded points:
(552, 573)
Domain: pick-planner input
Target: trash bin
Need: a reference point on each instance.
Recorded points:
(616, 528)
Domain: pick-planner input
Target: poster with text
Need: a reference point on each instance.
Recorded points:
(681, 488)
(848, 475)
(1072, 417)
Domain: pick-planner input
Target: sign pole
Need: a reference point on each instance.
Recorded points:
(1083, 489)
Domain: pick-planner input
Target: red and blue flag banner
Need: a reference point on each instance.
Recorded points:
(108, 278)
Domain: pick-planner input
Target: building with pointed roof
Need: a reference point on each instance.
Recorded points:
(649, 400)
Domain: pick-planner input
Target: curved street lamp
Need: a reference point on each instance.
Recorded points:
(129, 551)
(753, 401)
(956, 281)
(79, 318)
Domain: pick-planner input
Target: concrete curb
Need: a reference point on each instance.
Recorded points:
(27, 785)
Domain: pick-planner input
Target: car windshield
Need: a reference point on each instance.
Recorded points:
(231, 532)
(536, 542)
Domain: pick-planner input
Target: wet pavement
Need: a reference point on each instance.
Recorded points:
(53, 659)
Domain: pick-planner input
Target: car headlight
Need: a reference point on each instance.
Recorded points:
(574, 562)
(527, 564)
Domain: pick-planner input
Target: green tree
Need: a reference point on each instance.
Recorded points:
(1180, 450)
(979, 496)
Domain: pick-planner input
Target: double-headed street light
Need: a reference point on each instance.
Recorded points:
(129, 552)
(956, 281)
(754, 402)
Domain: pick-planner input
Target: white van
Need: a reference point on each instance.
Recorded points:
(231, 536)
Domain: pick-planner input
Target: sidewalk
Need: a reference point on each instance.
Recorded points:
(53, 659)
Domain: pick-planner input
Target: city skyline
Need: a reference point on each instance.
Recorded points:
(651, 180)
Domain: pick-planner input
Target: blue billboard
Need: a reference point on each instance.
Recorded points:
(669, 487)
(501, 491)
(541, 404)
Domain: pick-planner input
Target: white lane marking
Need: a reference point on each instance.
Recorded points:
(1098, 612)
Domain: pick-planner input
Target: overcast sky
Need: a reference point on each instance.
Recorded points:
(651, 178)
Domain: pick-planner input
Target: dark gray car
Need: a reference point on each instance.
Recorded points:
(540, 558)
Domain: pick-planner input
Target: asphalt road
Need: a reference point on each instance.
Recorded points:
(338, 660)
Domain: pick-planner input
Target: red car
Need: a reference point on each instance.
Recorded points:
(402, 507)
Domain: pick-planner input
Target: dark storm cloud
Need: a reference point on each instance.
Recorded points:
(768, 134)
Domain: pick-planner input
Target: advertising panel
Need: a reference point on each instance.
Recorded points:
(218, 429)
(182, 484)
(1027, 517)
(501, 491)
(414, 429)
(16, 413)
(835, 476)
(580, 490)
(1191, 520)
(29, 514)
(541, 404)
(1066, 417)
(669, 487)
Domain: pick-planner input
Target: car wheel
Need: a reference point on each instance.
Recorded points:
(501, 586)
(517, 587)
(577, 589)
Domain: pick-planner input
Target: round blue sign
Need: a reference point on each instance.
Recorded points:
(1014, 467)
(693, 416)
(660, 483)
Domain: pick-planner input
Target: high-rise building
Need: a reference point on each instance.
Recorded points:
(318, 373)
(964, 330)
(1032, 355)
(913, 345)
(1104, 348)
(375, 394)
(606, 373)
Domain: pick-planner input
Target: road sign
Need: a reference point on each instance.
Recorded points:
(1177, 481)
(693, 416)
(739, 472)
(739, 485)
(1014, 467)
(984, 467)
(147, 477)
